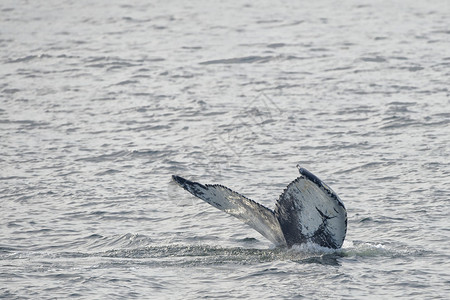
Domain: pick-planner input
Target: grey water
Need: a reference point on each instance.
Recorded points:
(102, 101)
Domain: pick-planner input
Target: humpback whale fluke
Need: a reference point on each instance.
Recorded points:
(308, 210)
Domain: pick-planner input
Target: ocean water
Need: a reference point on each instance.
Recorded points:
(102, 101)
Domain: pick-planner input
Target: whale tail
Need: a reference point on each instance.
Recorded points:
(307, 211)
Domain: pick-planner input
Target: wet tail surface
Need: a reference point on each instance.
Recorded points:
(307, 211)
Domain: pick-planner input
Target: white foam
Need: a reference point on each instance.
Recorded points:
(310, 247)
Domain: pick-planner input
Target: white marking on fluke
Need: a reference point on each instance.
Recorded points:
(308, 210)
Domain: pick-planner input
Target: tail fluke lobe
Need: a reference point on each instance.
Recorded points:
(250, 212)
(310, 211)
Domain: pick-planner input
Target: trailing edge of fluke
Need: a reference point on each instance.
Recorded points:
(308, 210)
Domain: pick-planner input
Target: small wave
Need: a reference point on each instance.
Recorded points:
(10, 91)
(27, 58)
(29, 124)
(276, 45)
(365, 249)
(121, 156)
(339, 69)
(125, 241)
(107, 172)
(126, 82)
(238, 60)
(376, 59)
(106, 157)
(253, 59)
(396, 122)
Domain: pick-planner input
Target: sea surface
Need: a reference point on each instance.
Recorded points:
(102, 101)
